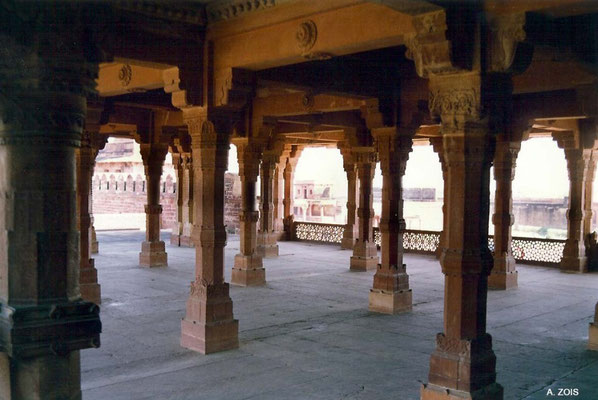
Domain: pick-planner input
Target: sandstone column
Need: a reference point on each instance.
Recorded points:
(588, 195)
(350, 232)
(177, 229)
(593, 336)
(504, 275)
(88, 275)
(266, 239)
(436, 143)
(289, 171)
(463, 364)
(279, 199)
(153, 252)
(391, 293)
(574, 253)
(187, 207)
(248, 269)
(365, 254)
(208, 325)
(45, 80)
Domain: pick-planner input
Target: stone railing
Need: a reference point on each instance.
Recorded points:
(525, 250)
(318, 232)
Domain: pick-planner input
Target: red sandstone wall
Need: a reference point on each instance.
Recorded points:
(121, 201)
(128, 201)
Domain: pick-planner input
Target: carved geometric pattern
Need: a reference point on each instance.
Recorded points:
(533, 250)
(329, 233)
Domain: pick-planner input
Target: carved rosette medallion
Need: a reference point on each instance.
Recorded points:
(306, 36)
(125, 74)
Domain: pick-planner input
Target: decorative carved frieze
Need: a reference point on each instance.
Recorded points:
(224, 10)
(172, 11)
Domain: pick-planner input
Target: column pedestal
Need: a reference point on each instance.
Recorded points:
(248, 271)
(393, 302)
(365, 256)
(208, 326)
(153, 254)
(267, 247)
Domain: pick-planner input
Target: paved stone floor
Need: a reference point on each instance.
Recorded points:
(308, 334)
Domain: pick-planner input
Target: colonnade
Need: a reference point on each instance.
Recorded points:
(50, 282)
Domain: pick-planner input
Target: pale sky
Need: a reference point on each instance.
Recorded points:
(541, 170)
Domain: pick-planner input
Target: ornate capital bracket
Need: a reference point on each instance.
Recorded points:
(506, 52)
(428, 47)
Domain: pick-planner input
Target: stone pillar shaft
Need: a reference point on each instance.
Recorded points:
(88, 275)
(288, 198)
(437, 146)
(504, 274)
(365, 253)
(574, 253)
(279, 199)
(208, 325)
(248, 269)
(44, 322)
(187, 207)
(350, 233)
(153, 252)
(177, 229)
(267, 246)
(391, 293)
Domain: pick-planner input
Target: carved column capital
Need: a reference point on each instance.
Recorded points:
(456, 100)
(249, 153)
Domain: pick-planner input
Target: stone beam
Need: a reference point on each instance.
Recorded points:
(321, 35)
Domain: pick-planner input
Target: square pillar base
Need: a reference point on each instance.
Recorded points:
(91, 292)
(153, 255)
(186, 241)
(248, 271)
(267, 251)
(347, 243)
(593, 337)
(210, 338)
(502, 280)
(432, 392)
(574, 264)
(175, 239)
(390, 302)
(363, 263)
